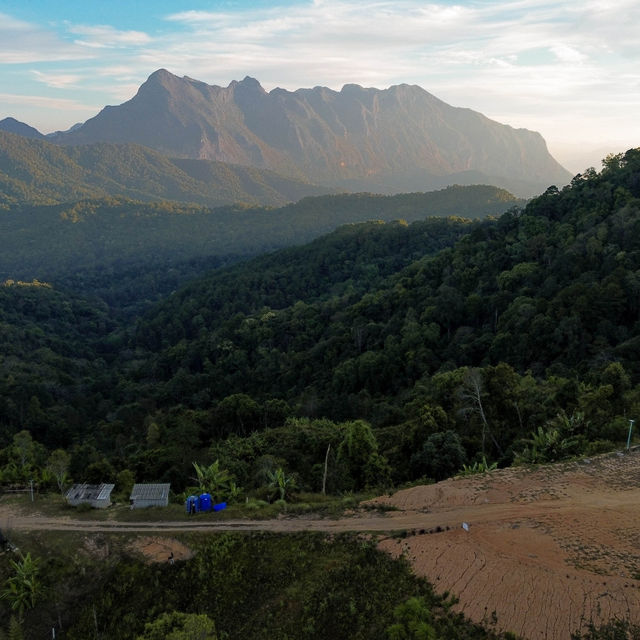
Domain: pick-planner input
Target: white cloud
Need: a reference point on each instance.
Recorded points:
(104, 36)
(57, 80)
(9, 23)
(389, 36)
(565, 53)
(22, 42)
(63, 104)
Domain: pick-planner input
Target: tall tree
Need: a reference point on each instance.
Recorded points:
(58, 466)
(471, 394)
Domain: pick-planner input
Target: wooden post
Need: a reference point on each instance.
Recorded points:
(324, 476)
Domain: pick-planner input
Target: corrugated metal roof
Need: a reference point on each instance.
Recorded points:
(90, 491)
(150, 491)
(105, 491)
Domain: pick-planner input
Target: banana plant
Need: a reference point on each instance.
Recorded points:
(23, 589)
(280, 481)
(212, 478)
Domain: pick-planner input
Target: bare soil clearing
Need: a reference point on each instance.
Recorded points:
(160, 549)
(546, 550)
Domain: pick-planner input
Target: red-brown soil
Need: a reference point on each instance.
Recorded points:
(160, 549)
(546, 550)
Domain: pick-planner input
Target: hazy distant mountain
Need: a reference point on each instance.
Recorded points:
(54, 134)
(397, 139)
(39, 172)
(20, 128)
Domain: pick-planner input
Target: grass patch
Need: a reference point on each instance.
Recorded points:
(303, 504)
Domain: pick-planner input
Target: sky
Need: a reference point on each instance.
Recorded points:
(568, 69)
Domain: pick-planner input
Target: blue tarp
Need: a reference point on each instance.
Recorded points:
(220, 506)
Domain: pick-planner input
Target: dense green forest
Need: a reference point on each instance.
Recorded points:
(528, 322)
(71, 239)
(397, 352)
(130, 253)
(511, 334)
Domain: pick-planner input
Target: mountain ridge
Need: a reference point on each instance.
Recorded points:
(386, 140)
(11, 125)
(40, 241)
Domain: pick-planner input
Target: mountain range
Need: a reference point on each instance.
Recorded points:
(359, 139)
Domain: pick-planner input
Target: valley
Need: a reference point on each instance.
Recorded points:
(191, 293)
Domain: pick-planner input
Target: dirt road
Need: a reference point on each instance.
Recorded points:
(543, 552)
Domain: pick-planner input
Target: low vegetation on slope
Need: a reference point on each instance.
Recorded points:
(254, 586)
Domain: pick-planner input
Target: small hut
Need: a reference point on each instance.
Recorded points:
(96, 495)
(149, 495)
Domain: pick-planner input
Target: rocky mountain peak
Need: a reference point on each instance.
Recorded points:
(365, 139)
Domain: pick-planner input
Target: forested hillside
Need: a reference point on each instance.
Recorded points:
(37, 172)
(129, 252)
(381, 354)
(50, 361)
(431, 345)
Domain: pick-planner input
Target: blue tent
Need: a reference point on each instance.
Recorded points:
(205, 502)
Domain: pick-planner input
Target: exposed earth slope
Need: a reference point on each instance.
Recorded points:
(546, 551)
